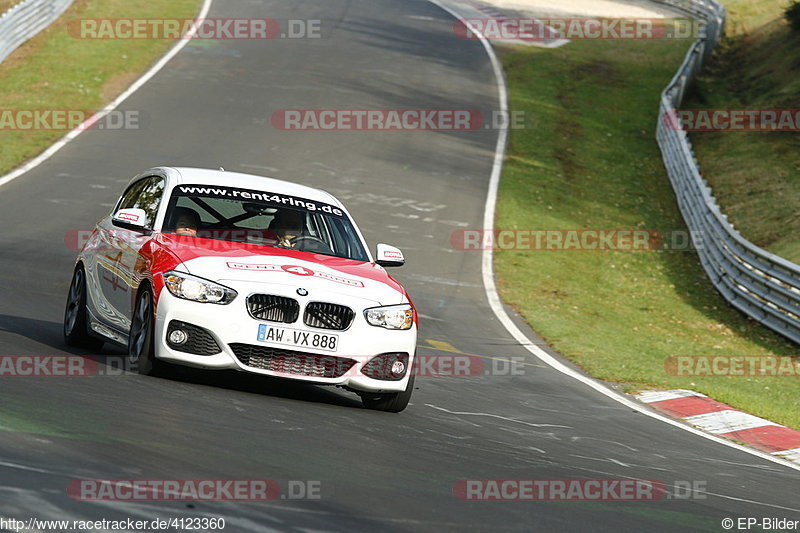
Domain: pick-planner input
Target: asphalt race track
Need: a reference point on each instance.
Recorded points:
(211, 107)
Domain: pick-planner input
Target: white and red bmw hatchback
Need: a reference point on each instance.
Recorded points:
(221, 270)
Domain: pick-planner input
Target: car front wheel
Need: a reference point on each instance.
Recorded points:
(141, 340)
(391, 402)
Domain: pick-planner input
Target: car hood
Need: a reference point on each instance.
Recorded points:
(223, 261)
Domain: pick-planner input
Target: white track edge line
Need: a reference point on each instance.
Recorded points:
(497, 305)
(47, 154)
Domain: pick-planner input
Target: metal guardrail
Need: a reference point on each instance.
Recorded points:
(760, 284)
(25, 20)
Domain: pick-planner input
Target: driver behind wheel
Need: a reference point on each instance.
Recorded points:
(185, 221)
(287, 225)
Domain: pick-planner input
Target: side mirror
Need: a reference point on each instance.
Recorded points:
(134, 219)
(389, 256)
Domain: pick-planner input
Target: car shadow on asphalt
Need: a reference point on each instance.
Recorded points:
(39, 334)
(263, 385)
(112, 359)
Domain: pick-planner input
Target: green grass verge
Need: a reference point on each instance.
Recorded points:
(744, 16)
(5, 5)
(591, 161)
(57, 71)
(755, 175)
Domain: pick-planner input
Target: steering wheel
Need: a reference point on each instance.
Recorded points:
(301, 238)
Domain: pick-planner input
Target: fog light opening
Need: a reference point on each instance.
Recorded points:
(178, 337)
(398, 368)
(387, 366)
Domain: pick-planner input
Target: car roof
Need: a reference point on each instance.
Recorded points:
(202, 176)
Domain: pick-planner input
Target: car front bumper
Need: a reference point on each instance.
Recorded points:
(232, 325)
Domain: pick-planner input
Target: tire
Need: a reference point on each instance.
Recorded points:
(390, 402)
(141, 338)
(76, 323)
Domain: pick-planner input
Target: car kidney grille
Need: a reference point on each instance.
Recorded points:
(328, 316)
(273, 308)
(291, 362)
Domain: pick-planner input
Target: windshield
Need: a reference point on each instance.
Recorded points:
(262, 218)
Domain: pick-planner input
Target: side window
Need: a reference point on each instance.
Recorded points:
(129, 198)
(144, 194)
(150, 199)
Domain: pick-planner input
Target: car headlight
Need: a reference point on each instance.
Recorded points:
(391, 316)
(197, 289)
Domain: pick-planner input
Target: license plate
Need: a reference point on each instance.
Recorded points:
(297, 337)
